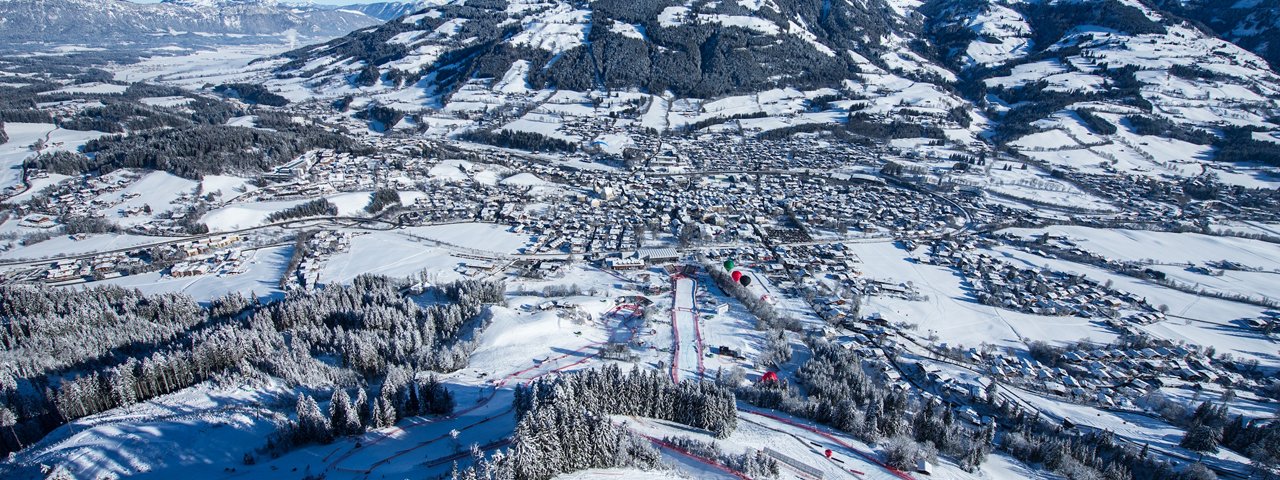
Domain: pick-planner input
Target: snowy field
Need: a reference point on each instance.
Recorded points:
(226, 64)
(140, 441)
(159, 190)
(1193, 319)
(406, 252)
(23, 135)
(1165, 247)
(261, 278)
(66, 245)
(244, 215)
(953, 313)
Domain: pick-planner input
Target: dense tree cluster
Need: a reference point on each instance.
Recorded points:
(1193, 72)
(1238, 145)
(118, 117)
(4, 136)
(384, 116)
(48, 329)
(861, 124)
(70, 354)
(30, 115)
(402, 395)
(753, 464)
(1070, 457)
(1050, 21)
(72, 225)
(647, 393)
(1163, 127)
(192, 152)
(1259, 439)
(842, 394)
(382, 198)
(707, 122)
(251, 93)
(317, 207)
(1095, 123)
(560, 436)
(520, 140)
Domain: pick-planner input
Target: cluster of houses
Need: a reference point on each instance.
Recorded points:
(319, 248)
(193, 257)
(445, 202)
(83, 197)
(229, 262)
(1031, 290)
(1110, 376)
(99, 267)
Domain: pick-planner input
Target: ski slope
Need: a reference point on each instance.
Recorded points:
(687, 356)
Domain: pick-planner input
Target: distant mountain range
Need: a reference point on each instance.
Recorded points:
(389, 10)
(198, 21)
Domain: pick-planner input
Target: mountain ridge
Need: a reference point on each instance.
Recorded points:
(81, 21)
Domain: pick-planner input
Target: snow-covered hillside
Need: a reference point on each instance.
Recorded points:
(1158, 95)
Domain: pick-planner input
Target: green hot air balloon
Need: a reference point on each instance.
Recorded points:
(728, 265)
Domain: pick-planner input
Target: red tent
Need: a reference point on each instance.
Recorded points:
(769, 377)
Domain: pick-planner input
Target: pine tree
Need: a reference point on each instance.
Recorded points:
(342, 415)
(361, 406)
(312, 426)
(1201, 438)
(7, 421)
(386, 413)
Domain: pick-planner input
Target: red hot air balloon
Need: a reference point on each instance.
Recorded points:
(736, 275)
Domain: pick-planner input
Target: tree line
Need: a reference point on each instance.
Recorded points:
(192, 152)
(520, 140)
(70, 354)
(317, 207)
(402, 395)
(646, 393)
(251, 93)
(839, 392)
(382, 198)
(563, 423)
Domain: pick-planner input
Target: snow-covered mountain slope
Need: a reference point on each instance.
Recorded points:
(1252, 24)
(390, 10)
(699, 49)
(93, 21)
(1116, 83)
(1107, 85)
